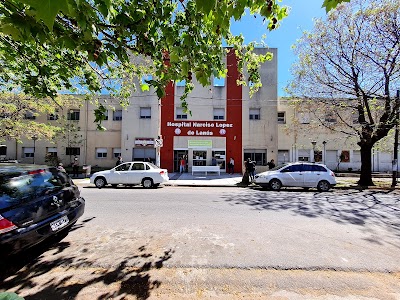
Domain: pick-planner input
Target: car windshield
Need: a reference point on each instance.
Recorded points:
(20, 186)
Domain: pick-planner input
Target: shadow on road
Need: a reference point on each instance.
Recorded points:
(21, 272)
(362, 208)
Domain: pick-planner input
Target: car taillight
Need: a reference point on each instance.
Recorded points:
(332, 174)
(6, 225)
(162, 172)
(36, 172)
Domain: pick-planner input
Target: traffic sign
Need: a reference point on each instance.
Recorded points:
(158, 143)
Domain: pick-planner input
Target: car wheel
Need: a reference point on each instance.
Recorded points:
(275, 185)
(147, 183)
(100, 182)
(323, 186)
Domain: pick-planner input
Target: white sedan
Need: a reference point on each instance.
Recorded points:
(131, 173)
(301, 174)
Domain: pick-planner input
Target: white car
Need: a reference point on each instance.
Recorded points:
(300, 174)
(131, 173)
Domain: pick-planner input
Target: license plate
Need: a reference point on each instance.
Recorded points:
(60, 223)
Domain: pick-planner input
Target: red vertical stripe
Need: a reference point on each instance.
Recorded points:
(234, 112)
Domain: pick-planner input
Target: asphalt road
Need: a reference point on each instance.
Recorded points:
(220, 243)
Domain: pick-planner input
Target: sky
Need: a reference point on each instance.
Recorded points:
(301, 17)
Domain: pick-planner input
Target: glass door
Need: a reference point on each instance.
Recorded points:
(221, 158)
(199, 158)
(178, 154)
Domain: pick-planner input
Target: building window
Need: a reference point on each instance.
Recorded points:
(330, 118)
(219, 81)
(181, 83)
(180, 114)
(254, 114)
(117, 115)
(257, 155)
(116, 152)
(3, 150)
(145, 112)
(304, 155)
(73, 151)
(73, 115)
(106, 115)
(29, 115)
(318, 156)
(52, 117)
(281, 117)
(142, 154)
(28, 152)
(51, 151)
(101, 152)
(304, 118)
(219, 113)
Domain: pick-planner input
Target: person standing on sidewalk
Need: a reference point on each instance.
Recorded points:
(182, 165)
(75, 167)
(231, 165)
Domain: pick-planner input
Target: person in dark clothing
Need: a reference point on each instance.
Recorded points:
(75, 167)
(119, 161)
(250, 168)
(271, 164)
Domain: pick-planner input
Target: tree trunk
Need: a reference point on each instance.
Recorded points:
(366, 165)
(245, 178)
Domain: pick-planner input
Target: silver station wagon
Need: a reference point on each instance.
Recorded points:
(300, 174)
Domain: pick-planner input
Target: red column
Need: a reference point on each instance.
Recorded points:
(234, 113)
(167, 114)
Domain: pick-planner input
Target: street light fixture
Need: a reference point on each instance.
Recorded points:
(34, 138)
(313, 148)
(324, 143)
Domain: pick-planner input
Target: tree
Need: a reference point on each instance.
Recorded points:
(87, 46)
(18, 113)
(348, 67)
(48, 46)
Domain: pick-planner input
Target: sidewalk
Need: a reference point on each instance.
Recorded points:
(226, 180)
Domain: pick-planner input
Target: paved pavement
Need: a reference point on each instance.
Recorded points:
(382, 181)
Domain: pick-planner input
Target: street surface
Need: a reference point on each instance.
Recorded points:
(220, 243)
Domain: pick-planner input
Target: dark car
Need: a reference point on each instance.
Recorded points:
(36, 202)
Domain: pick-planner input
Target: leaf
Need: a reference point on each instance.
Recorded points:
(174, 57)
(331, 4)
(12, 31)
(10, 296)
(145, 87)
(47, 10)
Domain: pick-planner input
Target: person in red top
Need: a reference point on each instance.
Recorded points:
(182, 165)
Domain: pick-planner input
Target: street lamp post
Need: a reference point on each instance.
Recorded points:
(34, 138)
(396, 142)
(324, 143)
(313, 148)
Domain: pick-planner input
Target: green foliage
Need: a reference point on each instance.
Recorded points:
(48, 46)
(10, 296)
(331, 4)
